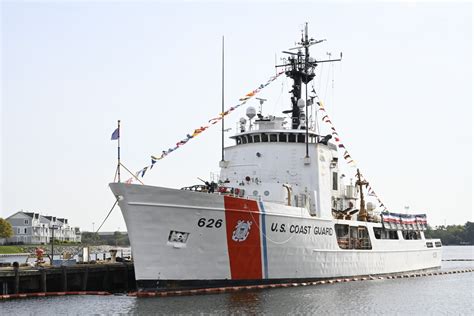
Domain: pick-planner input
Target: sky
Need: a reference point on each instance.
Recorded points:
(401, 98)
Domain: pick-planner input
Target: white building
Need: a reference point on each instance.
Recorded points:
(33, 228)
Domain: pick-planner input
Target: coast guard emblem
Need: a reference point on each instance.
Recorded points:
(241, 231)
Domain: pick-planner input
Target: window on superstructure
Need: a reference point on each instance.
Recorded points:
(238, 141)
(352, 237)
(378, 232)
(273, 138)
(385, 234)
(250, 139)
(292, 138)
(342, 235)
(334, 180)
(392, 234)
(301, 138)
(282, 138)
(256, 138)
(363, 241)
(264, 138)
(244, 139)
(411, 235)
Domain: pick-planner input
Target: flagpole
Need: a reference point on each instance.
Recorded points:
(222, 127)
(118, 151)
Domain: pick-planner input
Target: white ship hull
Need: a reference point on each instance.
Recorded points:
(192, 239)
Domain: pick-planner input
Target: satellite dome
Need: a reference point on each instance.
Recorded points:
(251, 112)
(370, 206)
(300, 103)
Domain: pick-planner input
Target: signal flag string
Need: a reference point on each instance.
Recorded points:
(154, 158)
(347, 157)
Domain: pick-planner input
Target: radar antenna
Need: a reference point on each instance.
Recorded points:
(260, 110)
(300, 67)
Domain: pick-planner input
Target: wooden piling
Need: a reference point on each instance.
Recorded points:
(85, 276)
(43, 285)
(105, 280)
(16, 287)
(64, 278)
(125, 281)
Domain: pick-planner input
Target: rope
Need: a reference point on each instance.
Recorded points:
(347, 157)
(133, 175)
(113, 206)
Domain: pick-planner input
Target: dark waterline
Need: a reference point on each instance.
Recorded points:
(445, 294)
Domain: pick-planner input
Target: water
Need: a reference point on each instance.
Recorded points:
(445, 294)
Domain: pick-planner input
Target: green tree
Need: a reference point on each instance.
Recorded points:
(6, 230)
(453, 234)
(117, 237)
(90, 238)
(469, 232)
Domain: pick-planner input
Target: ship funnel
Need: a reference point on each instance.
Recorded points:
(301, 103)
(251, 112)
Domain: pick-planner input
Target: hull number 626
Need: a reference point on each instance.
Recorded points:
(210, 222)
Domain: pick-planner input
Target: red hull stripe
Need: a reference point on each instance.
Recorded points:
(243, 238)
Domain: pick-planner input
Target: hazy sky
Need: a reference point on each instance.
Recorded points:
(401, 97)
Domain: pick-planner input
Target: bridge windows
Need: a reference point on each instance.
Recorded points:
(275, 138)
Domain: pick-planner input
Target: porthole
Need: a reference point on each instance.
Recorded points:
(267, 193)
(255, 193)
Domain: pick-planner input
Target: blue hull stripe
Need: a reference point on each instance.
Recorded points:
(264, 242)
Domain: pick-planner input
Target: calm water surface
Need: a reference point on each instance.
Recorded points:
(435, 295)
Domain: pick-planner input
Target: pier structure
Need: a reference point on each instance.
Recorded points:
(109, 277)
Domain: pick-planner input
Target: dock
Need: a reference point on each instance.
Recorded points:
(107, 277)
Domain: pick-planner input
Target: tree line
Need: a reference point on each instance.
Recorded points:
(115, 239)
(453, 234)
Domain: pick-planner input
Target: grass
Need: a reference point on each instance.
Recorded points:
(10, 249)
